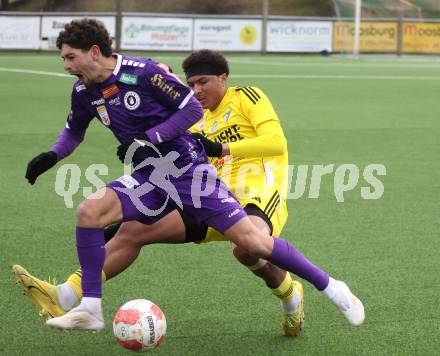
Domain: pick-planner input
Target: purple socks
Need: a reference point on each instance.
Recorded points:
(287, 257)
(91, 254)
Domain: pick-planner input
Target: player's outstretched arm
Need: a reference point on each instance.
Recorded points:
(40, 164)
(65, 144)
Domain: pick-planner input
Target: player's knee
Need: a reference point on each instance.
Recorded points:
(240, 254)
(88, 215)
(243, 256)
(258, 243)
(251, 244)
(127, 239)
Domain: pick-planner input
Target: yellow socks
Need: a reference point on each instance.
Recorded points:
(286, 293)
(285, 290)
(74, 281)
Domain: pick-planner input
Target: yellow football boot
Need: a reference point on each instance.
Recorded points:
(293, 323)
(41, 293)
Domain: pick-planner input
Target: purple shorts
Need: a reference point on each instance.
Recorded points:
(149, 195)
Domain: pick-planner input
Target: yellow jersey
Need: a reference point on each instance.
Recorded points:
(255, 171)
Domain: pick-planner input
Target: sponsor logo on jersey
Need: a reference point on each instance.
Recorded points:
(159, 81)
(103, 114)
(110, 91)
(98, 102)
(131, 79)
(230, 134)
(132, 100)
(115, 101)
(228, 200)
(80, 87)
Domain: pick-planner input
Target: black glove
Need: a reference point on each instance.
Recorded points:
(212, 149)
(125, 144)
(40, 164)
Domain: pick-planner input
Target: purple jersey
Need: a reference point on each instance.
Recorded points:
(138, 96)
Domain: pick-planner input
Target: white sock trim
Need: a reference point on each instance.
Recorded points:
(66, 296)
(332, 289)
(92, 305)
(292, 304)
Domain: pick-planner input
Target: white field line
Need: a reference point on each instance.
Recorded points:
(335, 77)
(330, 63)
(259, 76)
(337, 62)
(28, 71)
(314, 62)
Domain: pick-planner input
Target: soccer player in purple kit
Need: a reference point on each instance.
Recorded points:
(149, 111)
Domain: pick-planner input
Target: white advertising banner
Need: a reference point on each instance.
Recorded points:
(53, 25)
(153, 33)
(228, 35)
(299, 36)
(19, 32)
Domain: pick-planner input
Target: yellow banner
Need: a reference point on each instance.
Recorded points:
(419, 37)
(375, 37)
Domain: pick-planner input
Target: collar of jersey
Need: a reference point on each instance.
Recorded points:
(115, 74)
(224, 101)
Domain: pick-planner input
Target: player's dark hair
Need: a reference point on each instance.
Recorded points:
(84, 33)
(205, 61)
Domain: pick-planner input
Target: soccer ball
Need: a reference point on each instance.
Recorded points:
(139, 325)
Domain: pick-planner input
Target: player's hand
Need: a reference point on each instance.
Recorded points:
(212, 149)
(40, 164)
(125, 144)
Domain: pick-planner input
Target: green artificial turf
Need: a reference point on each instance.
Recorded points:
(336, 110)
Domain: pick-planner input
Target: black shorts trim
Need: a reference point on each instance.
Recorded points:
(252, 209)
(111, 231)
(194, 232)
(197, 233)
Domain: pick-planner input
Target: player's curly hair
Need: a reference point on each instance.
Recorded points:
(205, 58)
(85, 33)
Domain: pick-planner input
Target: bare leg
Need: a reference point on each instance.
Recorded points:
(271, 274)
(123, 249)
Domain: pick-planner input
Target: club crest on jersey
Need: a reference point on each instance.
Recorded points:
(227, 115)
(103, 114)
(132, 100)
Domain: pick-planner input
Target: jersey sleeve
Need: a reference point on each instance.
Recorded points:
(167, 86)
(270, 139)
(79, 117)
(256, 106)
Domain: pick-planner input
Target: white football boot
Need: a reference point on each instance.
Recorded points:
(78, 318)
(349, 305)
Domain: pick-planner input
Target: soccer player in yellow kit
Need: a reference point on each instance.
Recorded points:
(243, 136)
(246, 143)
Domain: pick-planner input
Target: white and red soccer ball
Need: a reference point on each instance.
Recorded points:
(139, 325)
